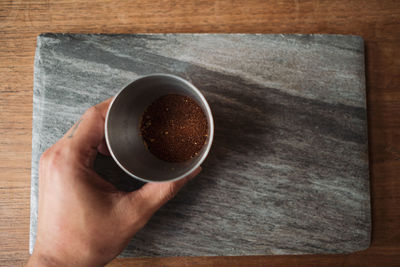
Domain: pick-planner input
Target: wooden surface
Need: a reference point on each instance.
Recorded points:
(378, 22)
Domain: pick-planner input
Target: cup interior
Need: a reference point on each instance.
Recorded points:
(122, 128)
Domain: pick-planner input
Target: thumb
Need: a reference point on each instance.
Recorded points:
(153, 196)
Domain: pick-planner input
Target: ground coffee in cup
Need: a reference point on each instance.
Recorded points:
(174, 128)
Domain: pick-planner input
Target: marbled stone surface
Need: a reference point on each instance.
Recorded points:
(288, 171)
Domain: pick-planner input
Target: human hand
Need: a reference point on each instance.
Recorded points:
(82, 219)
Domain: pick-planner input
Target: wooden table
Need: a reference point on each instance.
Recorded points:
(378, 22)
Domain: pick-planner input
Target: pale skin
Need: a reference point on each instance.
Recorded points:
(82, 219)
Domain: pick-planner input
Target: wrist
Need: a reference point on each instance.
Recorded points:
(41, 259)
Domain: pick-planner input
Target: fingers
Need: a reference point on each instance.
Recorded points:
(152, 196)
(103, 107)
(88, 133)
(102, 148)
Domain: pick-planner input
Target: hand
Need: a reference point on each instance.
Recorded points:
(83, 220)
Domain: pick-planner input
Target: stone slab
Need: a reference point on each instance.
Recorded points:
(288, 170)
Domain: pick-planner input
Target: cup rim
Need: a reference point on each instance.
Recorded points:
(208, 111)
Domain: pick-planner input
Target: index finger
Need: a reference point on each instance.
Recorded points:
(103, 107)
(88, 132)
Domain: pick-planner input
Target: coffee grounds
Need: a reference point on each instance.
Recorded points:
(174, 128)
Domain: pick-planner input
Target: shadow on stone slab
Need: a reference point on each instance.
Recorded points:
(108, 169)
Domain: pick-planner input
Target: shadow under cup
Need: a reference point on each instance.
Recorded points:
(122, 128)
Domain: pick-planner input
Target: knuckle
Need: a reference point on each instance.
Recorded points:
(170, 192)
(53, 158)
(92, 111)
(44, 158)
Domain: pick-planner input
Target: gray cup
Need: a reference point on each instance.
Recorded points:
(122, 128)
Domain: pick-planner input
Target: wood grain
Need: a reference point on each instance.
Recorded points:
(378, 22)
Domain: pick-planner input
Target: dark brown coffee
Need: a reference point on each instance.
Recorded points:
(174, 128)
